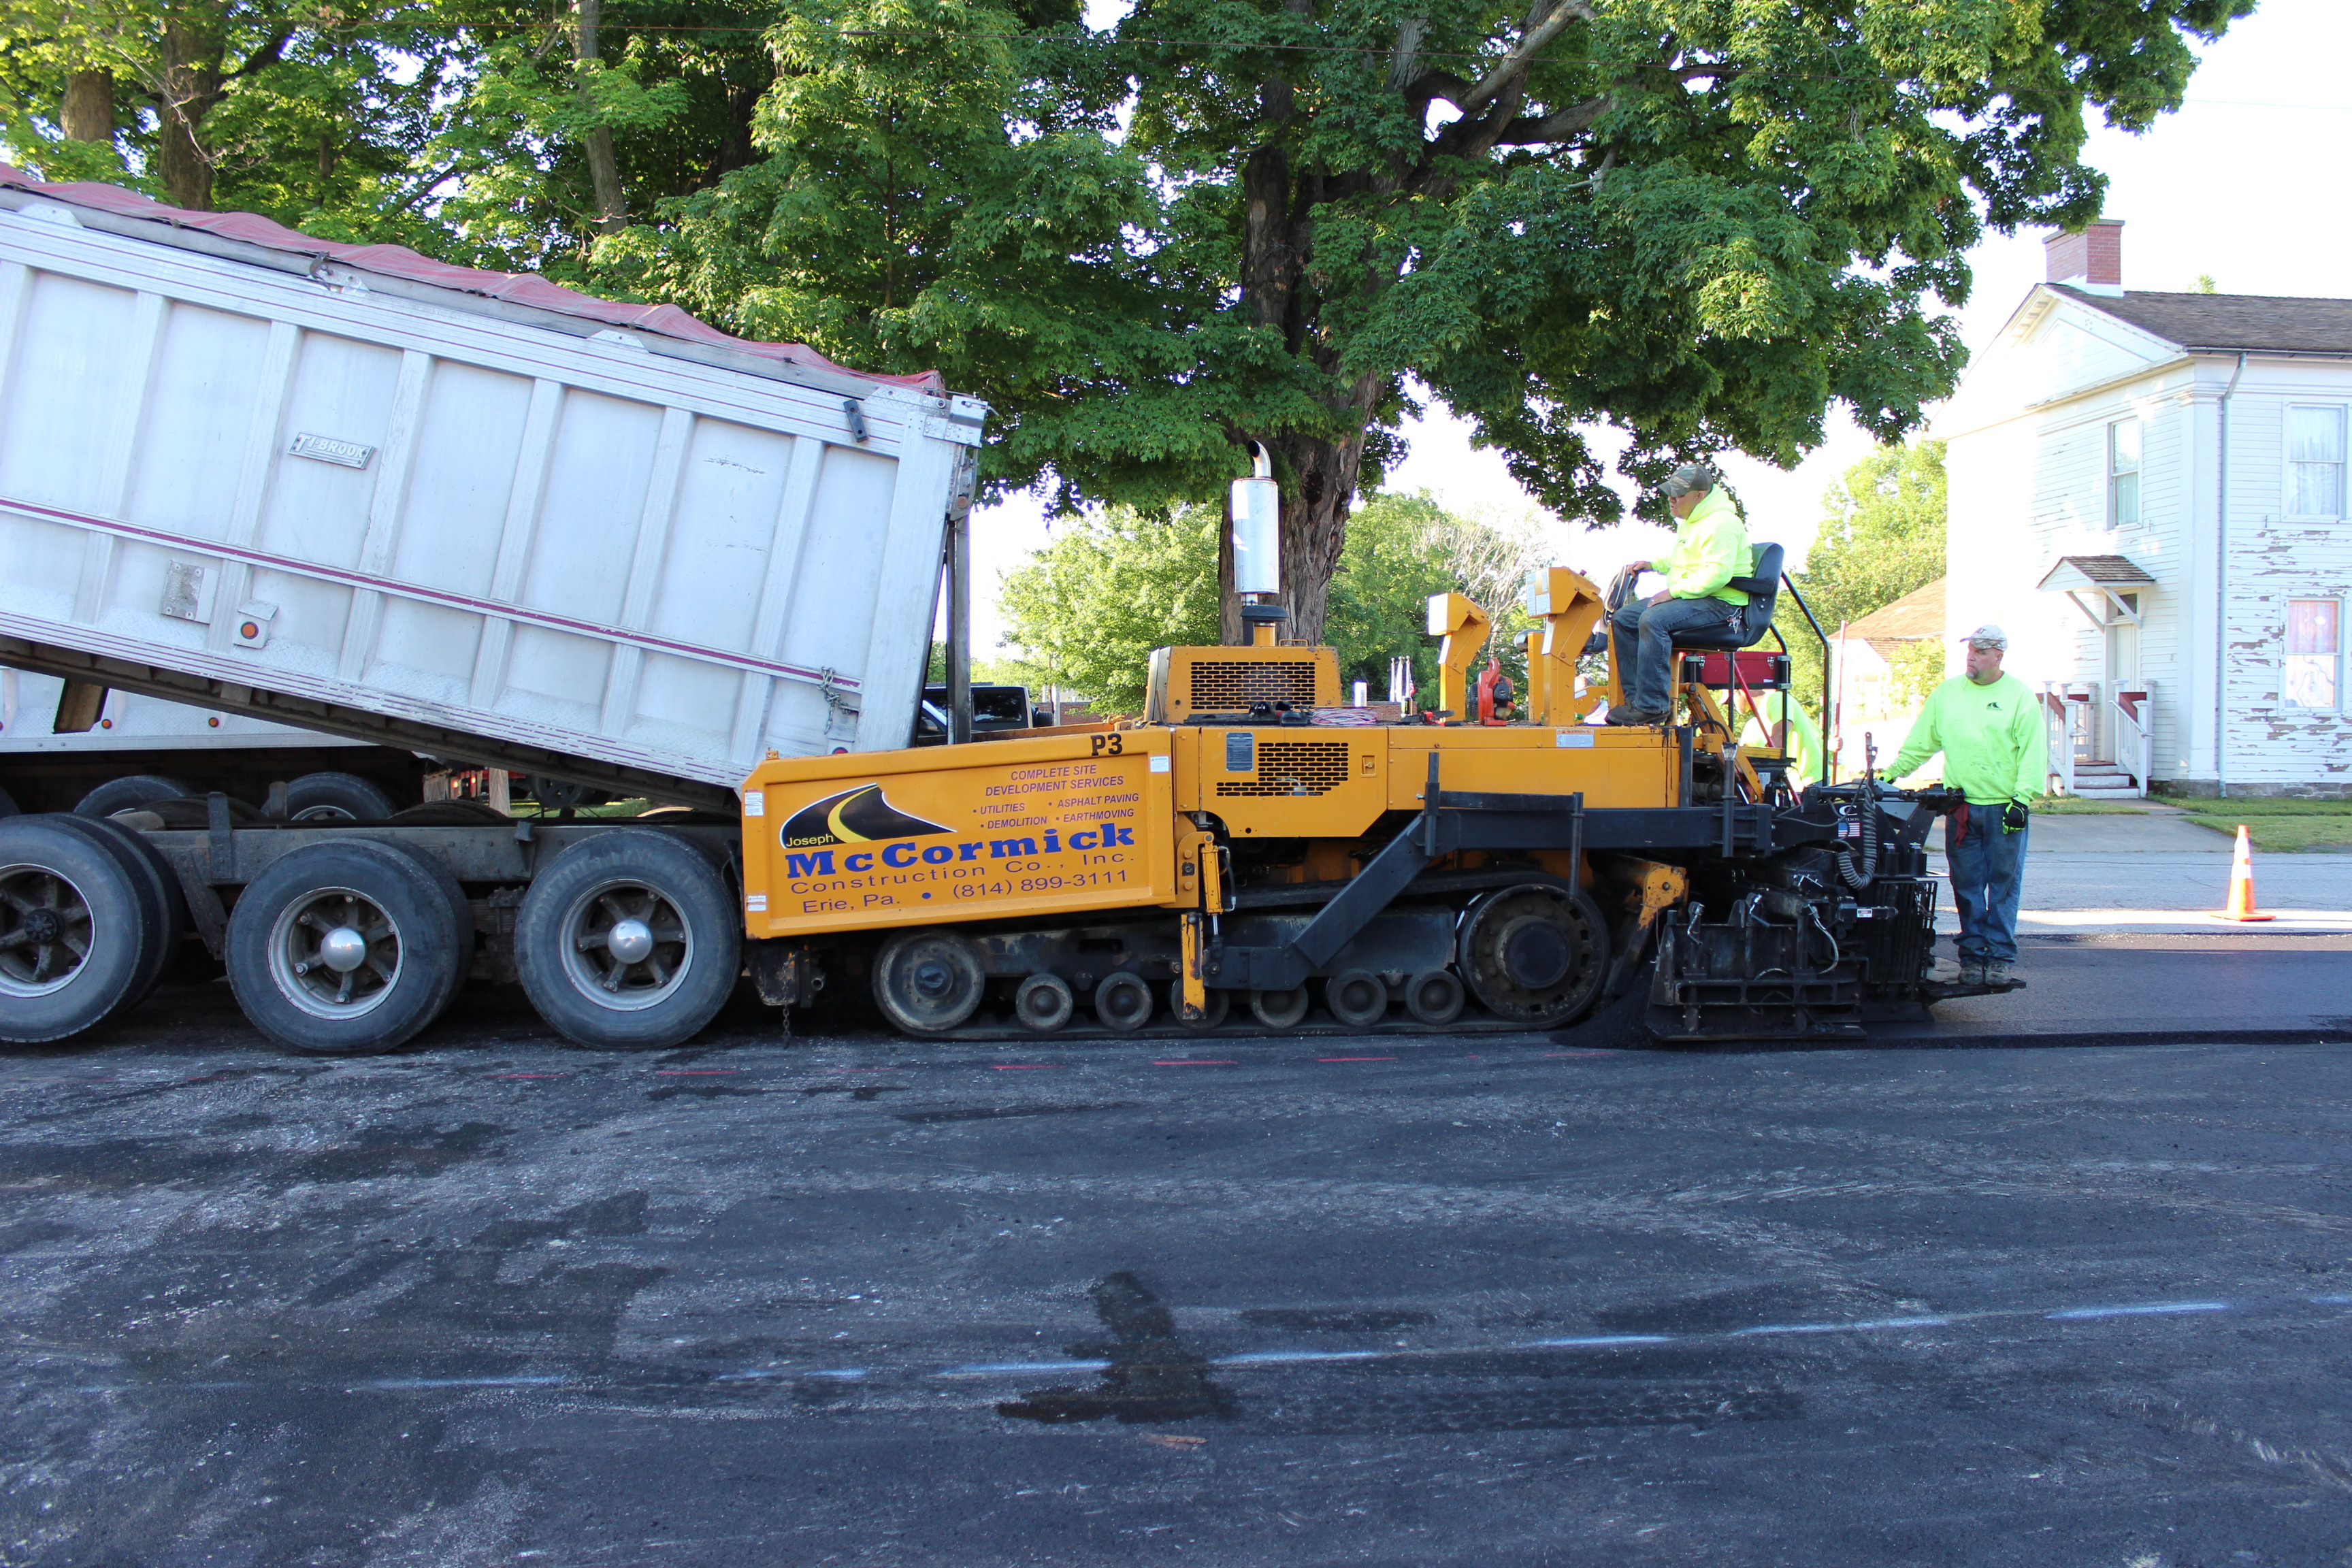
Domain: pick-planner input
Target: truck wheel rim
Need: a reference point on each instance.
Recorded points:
(335, 953)
(45, 927)
(627, 945)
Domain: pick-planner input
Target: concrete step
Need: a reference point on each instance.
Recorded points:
(2119, 792)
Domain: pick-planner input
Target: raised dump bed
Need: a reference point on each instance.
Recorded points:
(460, 513)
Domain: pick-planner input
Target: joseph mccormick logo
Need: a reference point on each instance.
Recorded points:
(864, 815)
(857, 816)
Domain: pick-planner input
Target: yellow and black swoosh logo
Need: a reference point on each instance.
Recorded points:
(853, 817)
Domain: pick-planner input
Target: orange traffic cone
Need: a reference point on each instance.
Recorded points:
(2242, 882)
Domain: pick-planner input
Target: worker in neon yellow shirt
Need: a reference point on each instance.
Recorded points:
(1710, 549)
(1988, 727)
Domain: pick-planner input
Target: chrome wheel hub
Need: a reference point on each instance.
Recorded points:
(334, 952)
(44, 931)
(627, 945)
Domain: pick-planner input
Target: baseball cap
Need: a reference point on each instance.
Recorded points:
(1990, 634)
(1691, 478)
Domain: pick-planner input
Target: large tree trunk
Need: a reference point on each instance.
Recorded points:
(604, 167)
(1319, 477)
(191, 86)
(1278, 208)
(88, 114)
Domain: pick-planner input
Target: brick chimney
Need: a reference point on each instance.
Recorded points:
(2092, 260)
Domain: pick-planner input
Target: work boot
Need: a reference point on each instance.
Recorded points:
(1996, 971)
(1623, 714)
(1972, 970)
(1941, 972)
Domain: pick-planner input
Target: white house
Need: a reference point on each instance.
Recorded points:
(1871, 657)
(2149, 493)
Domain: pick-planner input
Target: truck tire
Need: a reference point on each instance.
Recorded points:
(163, 908)
(128, 794)
(1123, 1001)
(927, 981)
(1535, 952)
(630, 940)
(73, 930)
(8, 805)
(336, 798)
(346, 948)
(1357, 997)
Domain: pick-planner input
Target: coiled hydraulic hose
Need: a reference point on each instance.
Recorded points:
(1860, 876)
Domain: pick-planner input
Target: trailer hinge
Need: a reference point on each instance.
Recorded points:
(840, 718)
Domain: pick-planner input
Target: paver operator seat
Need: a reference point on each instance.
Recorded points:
(1762, 586)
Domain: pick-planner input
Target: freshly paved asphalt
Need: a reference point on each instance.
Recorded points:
(1391, 1300)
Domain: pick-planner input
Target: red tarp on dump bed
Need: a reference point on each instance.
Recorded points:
(399, 261)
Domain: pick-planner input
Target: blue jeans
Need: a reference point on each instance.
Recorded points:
(1987, 875)
(1649, 630)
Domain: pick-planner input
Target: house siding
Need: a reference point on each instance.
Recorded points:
(2027, 460)
(2274, 557)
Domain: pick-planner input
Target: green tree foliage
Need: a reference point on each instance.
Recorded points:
(1917, 669)
(1087, 610)
(210, 103)
(1402, 549)
(1882, 537)
(1704, 221)
(457, 127)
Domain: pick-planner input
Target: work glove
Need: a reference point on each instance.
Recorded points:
(2012, 817)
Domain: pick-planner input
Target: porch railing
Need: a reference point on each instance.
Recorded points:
(2067, 711)
(2134, 721)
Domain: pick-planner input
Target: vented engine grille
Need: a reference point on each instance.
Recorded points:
(1220, 688)
(1294, 767)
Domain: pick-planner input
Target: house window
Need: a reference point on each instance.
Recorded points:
(2314, 455)
(2123, 473)
(2315, 653)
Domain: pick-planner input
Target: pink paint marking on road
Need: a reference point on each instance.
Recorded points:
(1023, 1067)
(1355, 1059)
(696, 1072)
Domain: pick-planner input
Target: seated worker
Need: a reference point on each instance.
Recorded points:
(1710, 549)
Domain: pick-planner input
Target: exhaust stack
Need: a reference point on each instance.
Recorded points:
(1257, 547)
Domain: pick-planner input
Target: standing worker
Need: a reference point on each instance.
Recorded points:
(1988, 727)
(1710, 549)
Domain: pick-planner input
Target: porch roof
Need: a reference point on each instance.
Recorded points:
(2074, 572)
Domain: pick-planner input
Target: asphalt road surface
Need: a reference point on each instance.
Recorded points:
(1381, 1301)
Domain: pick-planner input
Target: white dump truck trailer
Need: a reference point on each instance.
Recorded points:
(468, 515)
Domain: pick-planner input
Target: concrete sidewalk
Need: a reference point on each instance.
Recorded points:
(2158, 873)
